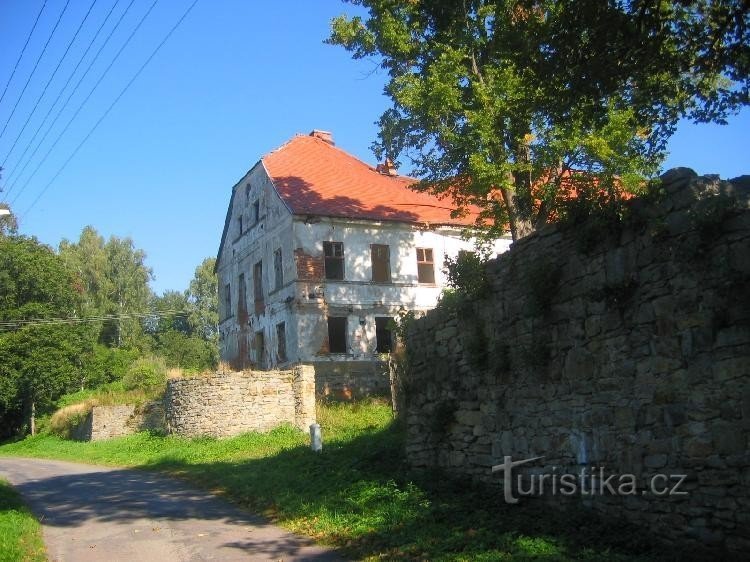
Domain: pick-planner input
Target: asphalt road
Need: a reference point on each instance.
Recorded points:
(112, 514)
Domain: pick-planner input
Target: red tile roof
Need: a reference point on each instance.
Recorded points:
(314, 177)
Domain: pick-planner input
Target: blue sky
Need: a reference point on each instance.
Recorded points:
(235, 80)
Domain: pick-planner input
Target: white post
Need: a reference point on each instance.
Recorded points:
(316, 438)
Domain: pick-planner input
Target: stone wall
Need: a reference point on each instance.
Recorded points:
(107, 422)
(626, 348)
(231, 403)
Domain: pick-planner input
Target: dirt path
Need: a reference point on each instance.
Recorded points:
(112, 514)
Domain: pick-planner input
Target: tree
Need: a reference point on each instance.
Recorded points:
(203, 299)
(114, 280)
(513, 105)
(38, 361)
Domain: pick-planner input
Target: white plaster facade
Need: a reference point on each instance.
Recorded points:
(260, 224)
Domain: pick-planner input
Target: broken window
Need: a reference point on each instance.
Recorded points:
(227, 300)
(381, 263)
(281, 341)
(278, 272)
(337, 334)
(242, 298)
(256, 211)
(383, 335)
(258, 287)
(260, 349)
(334, 260)
(239, 224)
(425, 266)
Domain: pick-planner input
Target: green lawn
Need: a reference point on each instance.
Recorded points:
(20, 533)
(358, 495)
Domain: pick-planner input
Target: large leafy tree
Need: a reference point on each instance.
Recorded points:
(203, 299)
(38, 361)
(115, 282)
(511, 105)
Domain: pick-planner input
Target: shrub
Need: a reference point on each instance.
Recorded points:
(147, 373)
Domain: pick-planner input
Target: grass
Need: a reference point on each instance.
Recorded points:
(358, 494)
(20, 533)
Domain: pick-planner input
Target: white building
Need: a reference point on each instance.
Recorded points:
(319, 252)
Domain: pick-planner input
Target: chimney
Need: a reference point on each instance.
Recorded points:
(387, 168)
(326, 136)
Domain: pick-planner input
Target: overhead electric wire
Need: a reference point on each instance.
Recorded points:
(125, 89)
(65, 105)
(83, 103)
(44, 90)
(15, 324)
(39, 58)
(23, 50)
(15, 168)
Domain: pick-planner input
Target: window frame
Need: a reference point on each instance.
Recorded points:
(330, 248)
(423, 263)
(386, 276)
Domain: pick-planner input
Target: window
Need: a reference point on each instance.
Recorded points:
(258, 287)
(239, 224)
(248, 187)
(227, 300)
(425, 266)
(242, 297)
(278, 273)
(260, 349)
(381, 263)
(281, 341)
(337, 334)
(383, 335)
(256, 211)
(334, 259)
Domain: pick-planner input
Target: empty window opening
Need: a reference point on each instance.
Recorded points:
(337, 334)
(256, 211)
(258, 287)
(425, 266)
(381, 263)
(278, 272)
(241, 297)
(260, 350)
(227, 300)
(281, 341)
(334, 260)
(383, 335)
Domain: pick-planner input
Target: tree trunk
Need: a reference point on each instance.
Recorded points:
(33, 418)
(518, 226)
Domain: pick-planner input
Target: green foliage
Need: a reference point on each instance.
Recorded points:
(501, 104)
(147, 374)
(113, 278)
(359, 494)
(38, 363)
(203, 301)
(186, 352)
(466, 274)
(20, 532)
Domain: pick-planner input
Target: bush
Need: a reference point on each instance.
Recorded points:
(147, 373)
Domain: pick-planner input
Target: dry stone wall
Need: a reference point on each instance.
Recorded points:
(627, 349)
(221, 405)
(231, 403)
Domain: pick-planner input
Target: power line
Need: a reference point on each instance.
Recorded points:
(83, 103)
(23, 50)
(67, 101)
(60, 93)
(125, 89)
(44, 90)
(15, 324)
(35, 67)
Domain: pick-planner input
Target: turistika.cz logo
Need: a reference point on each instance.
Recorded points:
(588, 482)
